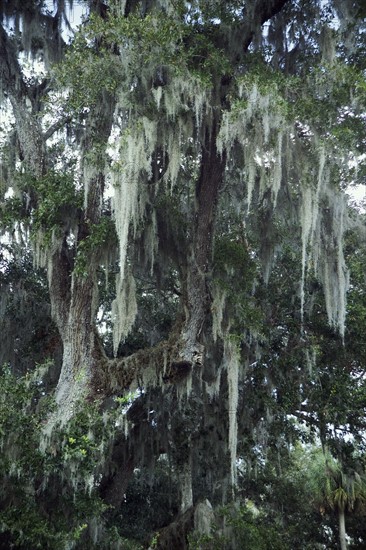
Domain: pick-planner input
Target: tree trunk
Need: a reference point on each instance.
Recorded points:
(80, 340)
(199, 271)
(342, 529)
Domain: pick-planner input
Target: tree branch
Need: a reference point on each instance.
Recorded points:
(301, 415)
(262, 12)
(164, 363)
(10, 71)
(55, 127)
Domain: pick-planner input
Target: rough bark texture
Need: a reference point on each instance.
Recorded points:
(199, 270)
(81, 344)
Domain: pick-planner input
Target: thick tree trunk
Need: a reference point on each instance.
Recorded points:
(199, 270)
(197, 330)
(80, 340)
(74, 298)
(79, 344)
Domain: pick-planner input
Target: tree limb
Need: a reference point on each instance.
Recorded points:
(55, 127)
(262, 12)
(10, 71)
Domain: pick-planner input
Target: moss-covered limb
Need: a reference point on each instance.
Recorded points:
(56, 126)
(146, 368)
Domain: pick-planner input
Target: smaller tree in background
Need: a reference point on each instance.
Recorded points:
(334, 488)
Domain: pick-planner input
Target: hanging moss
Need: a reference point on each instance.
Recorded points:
(231, 362)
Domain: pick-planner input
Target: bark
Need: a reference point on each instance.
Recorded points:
(175, 535)
(73, 298)
(80, 341)
(342, 529)
(28, 128)
(262, 11)
(199, 271)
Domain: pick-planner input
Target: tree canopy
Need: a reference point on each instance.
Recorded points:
(182, 288)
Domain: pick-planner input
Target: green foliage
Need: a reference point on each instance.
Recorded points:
(35, 470)
(197, 541)
(81, 443)
(55, 192)
(332, 486)
(88, 65)
(49, 198)
(29, 529)
(101, 235)
(21, 463)
(268, 81)
(95, 72)
(126, 400)
(12, 212)
(243, 528)
(146, 44)
(356, 305)
(234, 274)
(16, 414)
(28, 334)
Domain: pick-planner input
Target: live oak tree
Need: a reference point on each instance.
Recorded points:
(177, 150)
